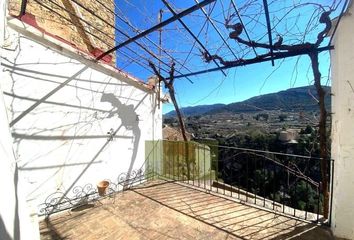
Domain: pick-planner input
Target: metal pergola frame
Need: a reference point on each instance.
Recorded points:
(280, 55)
(271, 56)
(178, 17)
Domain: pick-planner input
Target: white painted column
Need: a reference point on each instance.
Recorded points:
(342, 59)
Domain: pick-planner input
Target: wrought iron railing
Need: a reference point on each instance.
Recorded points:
(286, 183)
(79, 196)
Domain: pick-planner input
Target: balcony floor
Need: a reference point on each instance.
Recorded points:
(170, 210)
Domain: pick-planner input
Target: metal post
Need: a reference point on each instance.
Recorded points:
(217, 175)
(198, 179)
(264, 182)
(284, 183)
(274, 170)
(159, 19)
(265, 4)
(318, 200)
(247, 187)
(331, 203)
(23, 8)
(255, 180)
(231, 176)
(204, 168)
(294, 205)
(307, 191)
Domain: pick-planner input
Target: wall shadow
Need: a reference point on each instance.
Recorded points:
(17, 233)
(130, 121)
(3, 231)
(126, 113)
(236, 219)
(135, 129)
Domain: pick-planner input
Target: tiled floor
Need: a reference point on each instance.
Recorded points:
(166, 210)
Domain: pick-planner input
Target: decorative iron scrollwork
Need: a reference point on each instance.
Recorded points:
(81, 195)
(60, 201)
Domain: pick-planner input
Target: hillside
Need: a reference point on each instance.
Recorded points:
(197, 110)
(300, 99)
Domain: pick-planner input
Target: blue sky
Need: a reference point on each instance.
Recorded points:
(245, 82)
(240, 83)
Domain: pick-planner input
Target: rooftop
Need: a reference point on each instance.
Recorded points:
(160, 209)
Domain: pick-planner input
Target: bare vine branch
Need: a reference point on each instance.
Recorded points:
(171, 90)
(282, 49)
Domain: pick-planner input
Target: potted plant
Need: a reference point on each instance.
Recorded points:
(102, 187)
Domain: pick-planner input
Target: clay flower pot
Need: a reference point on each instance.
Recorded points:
(102, 187)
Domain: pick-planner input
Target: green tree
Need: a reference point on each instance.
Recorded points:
(282, 117)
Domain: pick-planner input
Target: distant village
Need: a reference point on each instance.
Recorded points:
(287, 126)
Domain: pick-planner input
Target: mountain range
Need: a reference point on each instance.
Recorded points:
(298, 99)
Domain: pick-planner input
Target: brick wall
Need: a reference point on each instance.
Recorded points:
(71, 27)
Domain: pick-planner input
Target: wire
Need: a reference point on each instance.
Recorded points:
(147, 38)
(95, 36)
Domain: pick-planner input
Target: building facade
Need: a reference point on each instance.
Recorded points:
(66, 120)
(342, 59)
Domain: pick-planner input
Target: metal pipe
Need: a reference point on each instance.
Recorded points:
(217, 30)
(255, 181)
(118, 30)
(265, 4)
(307, 192)
(331, 203)
(95, 36)
(23, 8)
(257, 60)
(156, 27)
(191, 33)
(264, 181)
(147, 38)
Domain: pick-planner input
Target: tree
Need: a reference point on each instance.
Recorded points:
(171, 90)
(281, 50)
(282, 117)
(307, 130)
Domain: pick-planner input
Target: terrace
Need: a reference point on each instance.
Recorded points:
(71, 124)
(171, 210)
(159, 202)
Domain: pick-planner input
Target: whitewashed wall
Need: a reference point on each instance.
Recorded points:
(343, 127)
(64, 142)
(15, 220)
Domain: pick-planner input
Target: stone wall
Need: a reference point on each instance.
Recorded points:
(69, 20)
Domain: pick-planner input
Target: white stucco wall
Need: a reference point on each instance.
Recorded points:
(15, 220)
(63, 142)
(342, 60)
